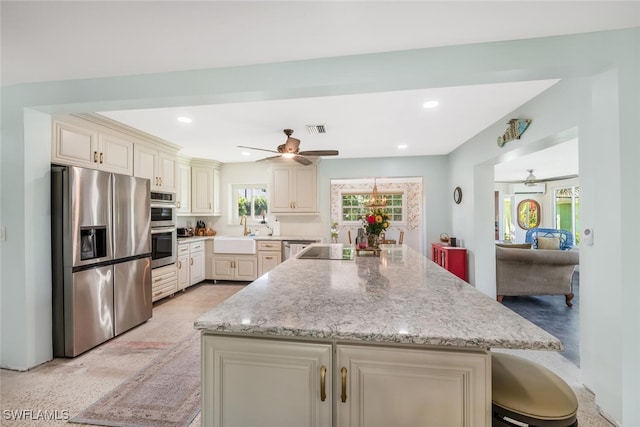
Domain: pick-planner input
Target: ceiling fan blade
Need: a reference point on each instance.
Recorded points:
(302, 160)
(556, 178)
(536, 181)
(320, 153)
(255, 148)
(268, 158)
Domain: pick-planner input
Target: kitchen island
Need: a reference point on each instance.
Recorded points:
(372, 341)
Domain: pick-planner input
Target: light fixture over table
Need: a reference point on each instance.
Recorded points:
(376, 200)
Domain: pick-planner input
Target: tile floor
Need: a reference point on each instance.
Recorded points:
(69, 385)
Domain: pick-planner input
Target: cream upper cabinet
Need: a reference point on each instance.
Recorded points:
(202, 190)
(183, 188)
(216, 192)
(293, 189)
(267, 383)
(84, 144)
(156, 165)
(205, 187)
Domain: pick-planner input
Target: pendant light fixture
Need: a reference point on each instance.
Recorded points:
(376, 200)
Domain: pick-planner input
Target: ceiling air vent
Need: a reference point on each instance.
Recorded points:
(315, 129)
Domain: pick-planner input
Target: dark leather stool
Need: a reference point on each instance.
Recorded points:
(529, 393)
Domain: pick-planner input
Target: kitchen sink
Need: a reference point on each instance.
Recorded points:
(234, 245)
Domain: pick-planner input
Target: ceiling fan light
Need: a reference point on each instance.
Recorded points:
(288, 155)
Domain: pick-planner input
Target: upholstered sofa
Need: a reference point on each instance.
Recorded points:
(522, 271)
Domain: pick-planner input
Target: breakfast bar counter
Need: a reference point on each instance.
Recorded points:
(351, 341)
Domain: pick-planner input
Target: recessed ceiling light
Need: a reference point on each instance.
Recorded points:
(430, 104)
(402, 146)
(183, 119)
(246, 153)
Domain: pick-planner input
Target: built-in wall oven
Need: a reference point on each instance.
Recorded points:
(163, 229)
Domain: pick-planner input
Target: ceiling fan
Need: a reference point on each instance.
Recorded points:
(532, 180)
(291, 150)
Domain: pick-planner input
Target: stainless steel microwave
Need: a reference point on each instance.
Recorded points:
(163, 209)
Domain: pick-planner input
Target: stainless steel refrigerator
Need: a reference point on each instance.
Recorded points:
(101, 256)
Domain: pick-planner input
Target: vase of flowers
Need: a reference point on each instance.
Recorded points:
(375, 222)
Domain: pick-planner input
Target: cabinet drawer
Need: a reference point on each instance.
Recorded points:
(183, 249)
(196, 246)
(164, 289)
(164, 273)
(269, 245)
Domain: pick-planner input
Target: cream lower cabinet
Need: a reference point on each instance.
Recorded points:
(255, 382)
(269, 255)
(183, 266)
(164, 281)
(190, 264)
(196, 262)
(386, 386)
(266, 383)
(232, 267)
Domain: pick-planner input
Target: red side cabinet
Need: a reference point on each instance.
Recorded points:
(452, 259)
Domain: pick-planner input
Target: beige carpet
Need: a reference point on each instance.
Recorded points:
(164, 393)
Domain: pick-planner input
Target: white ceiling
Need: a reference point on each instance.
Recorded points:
(52, 40)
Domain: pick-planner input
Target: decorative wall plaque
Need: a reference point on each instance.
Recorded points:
(514, 131)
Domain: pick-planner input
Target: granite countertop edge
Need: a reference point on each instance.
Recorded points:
(400, 298)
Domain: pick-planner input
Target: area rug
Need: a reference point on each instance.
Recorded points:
(164, 393)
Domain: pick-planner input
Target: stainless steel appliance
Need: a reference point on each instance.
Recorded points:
(164, 247)
(163, 228)
(291, 247)
(101, 256)
(163, 209)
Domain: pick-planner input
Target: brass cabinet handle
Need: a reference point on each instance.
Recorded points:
(268, 257)
(158, 293)
(157, 279)
(95, 157)
(178, 204)
(179, 264)
(191, 261)
(323, 386)
(209, 205)
(343, 374)
(270, 246)
(101, 158)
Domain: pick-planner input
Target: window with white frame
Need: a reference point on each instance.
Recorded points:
(354, 206)
(249, 200)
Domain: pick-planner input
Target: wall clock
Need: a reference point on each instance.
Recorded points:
(457, 195)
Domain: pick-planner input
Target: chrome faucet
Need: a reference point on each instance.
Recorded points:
(243, 221)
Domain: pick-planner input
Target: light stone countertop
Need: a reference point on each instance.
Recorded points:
(399, 298)
(259, 237)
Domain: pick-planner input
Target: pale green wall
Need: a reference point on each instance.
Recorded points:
(599, 66)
